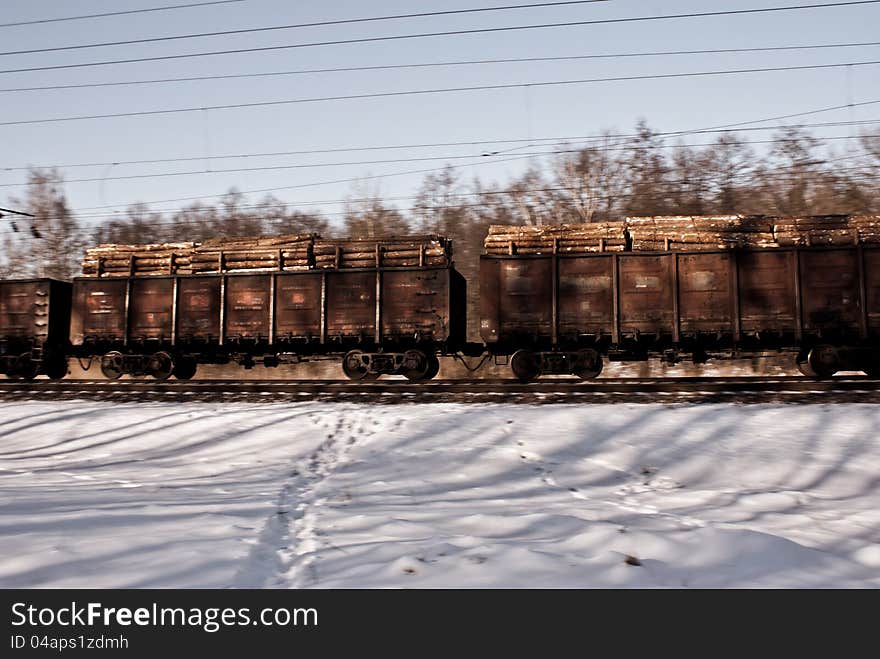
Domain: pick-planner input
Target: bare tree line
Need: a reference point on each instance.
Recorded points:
(609, 179)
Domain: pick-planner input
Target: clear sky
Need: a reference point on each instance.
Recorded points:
(509, 114)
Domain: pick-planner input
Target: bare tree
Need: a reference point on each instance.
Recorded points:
(139, 225)
(728, 162)
(367, 216)
(52, 245)
(591, 181)
(795, 168)
(647, 174)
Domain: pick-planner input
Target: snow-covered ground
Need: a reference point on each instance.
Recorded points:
(342, 495)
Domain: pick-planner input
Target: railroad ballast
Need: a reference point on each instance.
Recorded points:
(554, 299)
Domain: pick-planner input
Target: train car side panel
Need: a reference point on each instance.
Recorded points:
(24, 309)
(298, 305)
(586, 295)
(351, 304)
(830, 290)
(871, 260)
(247, 307)
(98, 310)
(526, 297)
(198, 308)
(645, 290)
(767, 291)
(490, 311)
(704, 292)
(416, 304)
(150, 308)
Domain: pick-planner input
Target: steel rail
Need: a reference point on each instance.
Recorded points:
(746, 389)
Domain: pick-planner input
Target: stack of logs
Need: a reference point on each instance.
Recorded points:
(756, 231)
(292, 252)
(278, 253)
(158, 259)
(402, 252)
(650, 234)
(679, 233)
(827, 230)
(564, 238)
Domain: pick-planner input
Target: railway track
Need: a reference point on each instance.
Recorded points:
(686, 389)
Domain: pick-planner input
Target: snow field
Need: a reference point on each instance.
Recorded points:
(335, 495)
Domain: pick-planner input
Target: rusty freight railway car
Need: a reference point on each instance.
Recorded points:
(34, 321)
(555, 309)
(380, 315)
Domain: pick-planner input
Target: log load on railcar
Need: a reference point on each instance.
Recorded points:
(381, 306)
(561, 299)
(554, 300)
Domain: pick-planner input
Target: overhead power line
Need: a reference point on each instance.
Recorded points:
(344, 21)
(559, 139)
(120, 13)
(446, 90)
(398, 37)
(389, 161)
(329, 202)
(423, 65)
(743, 178)
(483, 161)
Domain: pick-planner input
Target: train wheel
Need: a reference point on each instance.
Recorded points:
(587, 364)
(525, 365)
(56, 367)
(160, 365)
(803, 365)
(185, 368)
(353, 365)
(824, 361)
(26, 367)
(111, 365)
(433, 367)
(419, 365)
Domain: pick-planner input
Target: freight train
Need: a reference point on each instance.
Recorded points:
(553, 300)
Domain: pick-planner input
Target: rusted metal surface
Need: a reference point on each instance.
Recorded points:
(830, 290)
(803, 293)
(150, 308)
(298, 306)
(247, 307)
(767, 296)
(490, 312)
(416, 304)
(704, 292)
(351, 304)
(525, 296)
(99, 311)
(34, 323)
(24, 309)
(646, 304)
(586, 304)
(198, 308)
(872, 289)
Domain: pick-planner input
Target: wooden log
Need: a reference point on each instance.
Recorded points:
(257, 241)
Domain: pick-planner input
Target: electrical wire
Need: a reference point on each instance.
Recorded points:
(446, 157)
(120, 13)
(398, 37)
(326, 23)
(422, 92)
(560, 139)
(421, 65)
